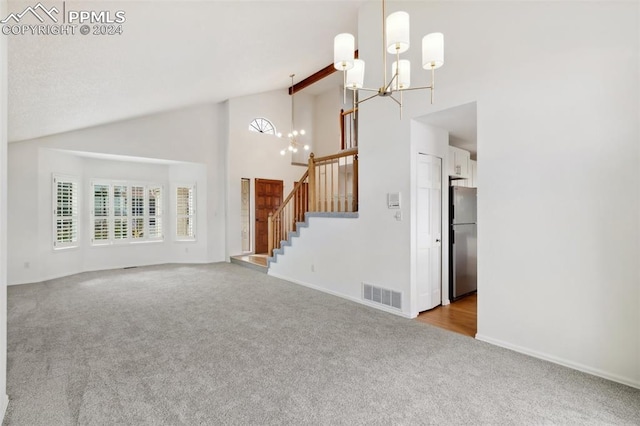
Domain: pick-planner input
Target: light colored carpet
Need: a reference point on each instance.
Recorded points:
(222, 344)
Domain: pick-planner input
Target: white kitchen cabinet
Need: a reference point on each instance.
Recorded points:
(459, 160)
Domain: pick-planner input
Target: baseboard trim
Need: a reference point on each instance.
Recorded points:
(50, 277)
(561, 361)
(342, 296)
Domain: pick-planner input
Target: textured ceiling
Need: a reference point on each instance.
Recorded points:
(171, 54)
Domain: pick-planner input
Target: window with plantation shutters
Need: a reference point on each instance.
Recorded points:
(120, 212)
(100, 217)
(185, 213)
(155, 212)
(137, 212)
(125, 213)
(65, 212)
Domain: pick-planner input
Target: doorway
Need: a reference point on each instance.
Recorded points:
(451, 134)
(267, 199)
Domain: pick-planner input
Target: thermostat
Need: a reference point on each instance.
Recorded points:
(393, 200)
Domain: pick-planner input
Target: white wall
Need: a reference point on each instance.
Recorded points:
(326, 135)
(558, 231)
(4, 400)
(184, 146)
(254, 155)
(304, 119)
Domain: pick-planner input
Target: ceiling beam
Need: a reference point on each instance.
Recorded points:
(313, 78)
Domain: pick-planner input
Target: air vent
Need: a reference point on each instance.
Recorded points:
(382, 296)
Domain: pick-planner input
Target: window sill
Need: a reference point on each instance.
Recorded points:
(63, 248)
(126, 243)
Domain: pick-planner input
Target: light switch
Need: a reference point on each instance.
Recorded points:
(399, 215)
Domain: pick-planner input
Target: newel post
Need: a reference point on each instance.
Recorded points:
(312, 183)
(270, 234)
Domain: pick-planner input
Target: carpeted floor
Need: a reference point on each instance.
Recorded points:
(221, 344)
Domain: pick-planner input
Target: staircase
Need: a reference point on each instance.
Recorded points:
(329, 187)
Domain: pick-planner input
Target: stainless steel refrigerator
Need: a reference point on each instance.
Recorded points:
(462, 242)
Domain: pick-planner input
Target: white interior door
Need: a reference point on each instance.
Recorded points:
(429, 227)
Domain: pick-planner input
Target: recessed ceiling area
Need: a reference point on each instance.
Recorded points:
(462, 124)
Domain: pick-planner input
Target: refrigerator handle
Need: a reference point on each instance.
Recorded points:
(453, 236)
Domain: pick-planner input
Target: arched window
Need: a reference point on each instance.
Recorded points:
(262, 125)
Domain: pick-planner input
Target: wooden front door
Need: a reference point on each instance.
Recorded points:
(268, 198)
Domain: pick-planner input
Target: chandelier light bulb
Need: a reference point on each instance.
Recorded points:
(398, 32)
(355, 76)
(306, 147)
(302, 132)
(282, 152)
(289, 135)
(279, 135)
(343, 51)
(432, 51)
(403, 81)
(295, 150)
(295, 133)
(290, 148)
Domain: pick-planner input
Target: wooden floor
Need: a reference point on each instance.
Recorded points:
(256, 259)
(460, 316)
(257, 262)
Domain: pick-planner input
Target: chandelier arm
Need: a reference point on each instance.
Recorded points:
(433, 82)
(355, 106)
(366, 99)
(367, 89)
(384, 43)
(395, 76)
(344, 87)
(415, 88)
(396, 101)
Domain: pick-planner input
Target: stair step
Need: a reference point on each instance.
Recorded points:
(305, 224)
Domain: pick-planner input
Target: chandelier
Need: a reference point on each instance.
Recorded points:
(293, 134)
(395, 40)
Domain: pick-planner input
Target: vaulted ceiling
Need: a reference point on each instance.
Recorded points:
(170, 54)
